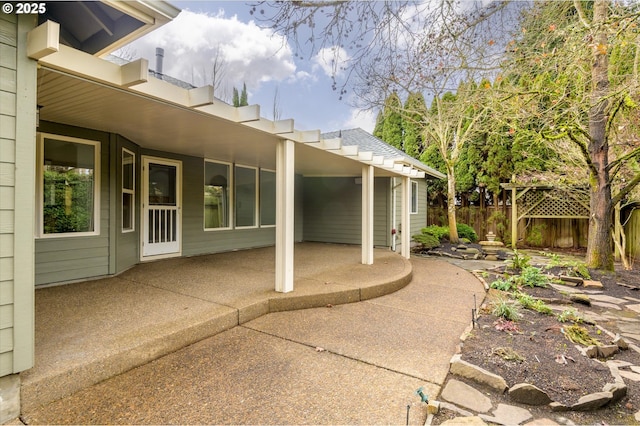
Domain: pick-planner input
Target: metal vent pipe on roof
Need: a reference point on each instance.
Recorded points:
(159, 58)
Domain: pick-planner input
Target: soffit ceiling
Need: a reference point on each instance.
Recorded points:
(157, 125)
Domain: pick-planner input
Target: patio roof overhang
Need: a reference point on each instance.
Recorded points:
(79, 89)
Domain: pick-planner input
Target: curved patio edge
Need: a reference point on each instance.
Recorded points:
(292, 301)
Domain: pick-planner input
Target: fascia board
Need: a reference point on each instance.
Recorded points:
(365, 156)
(201, 96)
(331, 144)
(349, 150)
(44, 40)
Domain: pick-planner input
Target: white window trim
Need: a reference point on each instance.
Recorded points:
(260, 199)
(230, 208)
(132, 192)
(40, 186)
(414, 186)
(256, 207)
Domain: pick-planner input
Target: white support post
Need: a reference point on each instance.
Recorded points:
(285, 179)
(405, 235)
(367, 215)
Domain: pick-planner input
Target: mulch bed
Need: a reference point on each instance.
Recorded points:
(544, 356)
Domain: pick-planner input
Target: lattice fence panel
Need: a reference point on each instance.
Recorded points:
(553, 203)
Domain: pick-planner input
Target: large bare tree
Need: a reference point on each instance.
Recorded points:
(572, 75)
(403, 48)
(430, 47)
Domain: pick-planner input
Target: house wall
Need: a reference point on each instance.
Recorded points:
(76, 257)
(17, 154)
(418, 219)
(332, 210)
(73, 258)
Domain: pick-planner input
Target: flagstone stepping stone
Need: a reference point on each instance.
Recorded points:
(620, 342)
(508, 415)
(618, 390)
(477, 374)
(592, 401)
(582, 299)
(465, 396)
(609, 299)
(471, 420)
(635, 368)
(542, 422)
(573, 280)
(634, 307)
(526, 393)
(606, 305)
(632, 299)
(619, 363)
(630, 375)
(592, 283)
(565, 288)
(631, 328)
(606, 351)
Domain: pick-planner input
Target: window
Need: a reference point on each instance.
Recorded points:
(216, 195)
(128, 190)
(414, 197)
(245, 196)
(68, 186)
(267, 198)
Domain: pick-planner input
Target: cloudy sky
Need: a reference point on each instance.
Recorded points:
(275, 77)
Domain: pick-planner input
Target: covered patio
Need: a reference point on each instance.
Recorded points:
(89, 331)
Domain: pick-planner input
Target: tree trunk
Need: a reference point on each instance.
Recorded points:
(451, 205)
(599, 250)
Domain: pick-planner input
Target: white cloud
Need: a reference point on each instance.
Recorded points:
(332, 60)
(366, 120)
(251, 54)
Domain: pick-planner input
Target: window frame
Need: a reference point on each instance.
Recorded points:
(414, 197)
(260, 199)
(131, 192)
(256, 197)
(231, 201)
(40, 234)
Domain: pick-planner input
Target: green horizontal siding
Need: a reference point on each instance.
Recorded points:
(333, 210)
(72, 258)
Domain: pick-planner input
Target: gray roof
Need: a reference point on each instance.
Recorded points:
(367, 142)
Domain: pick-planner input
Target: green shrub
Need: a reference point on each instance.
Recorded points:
(570, 315)
(531, 276)
(465, 231)
(519, 260)
(506, 310)
(581, 270)
(530, 302)
(504, 285)
(441, 233)
(428, 241)
(536, 235)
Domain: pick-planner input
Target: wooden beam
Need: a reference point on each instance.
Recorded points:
(43, 40)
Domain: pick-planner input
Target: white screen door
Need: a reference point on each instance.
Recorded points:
(161, 207)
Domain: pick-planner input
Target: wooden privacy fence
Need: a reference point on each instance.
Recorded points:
(632, 231)
(535, 232)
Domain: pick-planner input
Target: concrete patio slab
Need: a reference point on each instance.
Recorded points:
(357, 363)
(274, 382)
(87, 332)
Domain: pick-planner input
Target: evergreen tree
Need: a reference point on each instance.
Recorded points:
(236, 98)
(377, 130)
(392, 124)
(415, 110)
(240, 99)
(244, 98)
